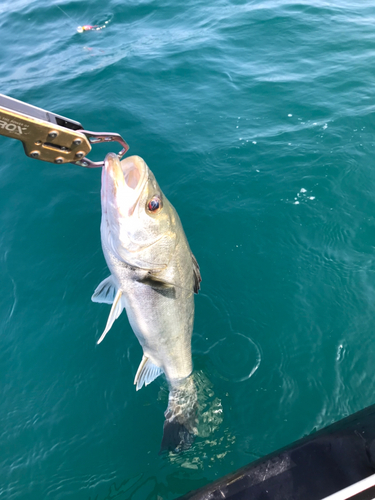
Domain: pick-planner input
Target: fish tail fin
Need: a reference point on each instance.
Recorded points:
(180, 417)
(176, 437)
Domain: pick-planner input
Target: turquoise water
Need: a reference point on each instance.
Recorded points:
(257, 119)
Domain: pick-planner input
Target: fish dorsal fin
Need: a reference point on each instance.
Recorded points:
(146, 373)
(105, 293)
(197, 274)
(116, 310)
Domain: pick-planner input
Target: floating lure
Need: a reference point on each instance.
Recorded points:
(88, 27)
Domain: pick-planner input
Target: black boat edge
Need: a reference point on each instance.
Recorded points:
(338, 460)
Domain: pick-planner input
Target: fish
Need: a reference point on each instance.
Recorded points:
(154, 277)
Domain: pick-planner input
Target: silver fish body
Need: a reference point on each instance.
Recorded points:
(154, 276)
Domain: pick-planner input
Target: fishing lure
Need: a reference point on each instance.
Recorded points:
(88, 27)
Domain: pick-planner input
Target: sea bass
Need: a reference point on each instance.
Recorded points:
(154, 276)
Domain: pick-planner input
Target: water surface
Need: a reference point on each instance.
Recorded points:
(257, 118)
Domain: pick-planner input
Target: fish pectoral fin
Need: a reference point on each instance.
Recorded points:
(197, 274)
(116, 310)
(105, 293)
(156, 282)
(146, 373)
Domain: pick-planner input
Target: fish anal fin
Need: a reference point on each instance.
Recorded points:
(116, 310)
(197, 275)
(105, 292)
(146, 373)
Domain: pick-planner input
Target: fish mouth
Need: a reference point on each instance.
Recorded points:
(124, 181)
(132, 170)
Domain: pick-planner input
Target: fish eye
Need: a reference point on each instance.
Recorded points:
(155, 204)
